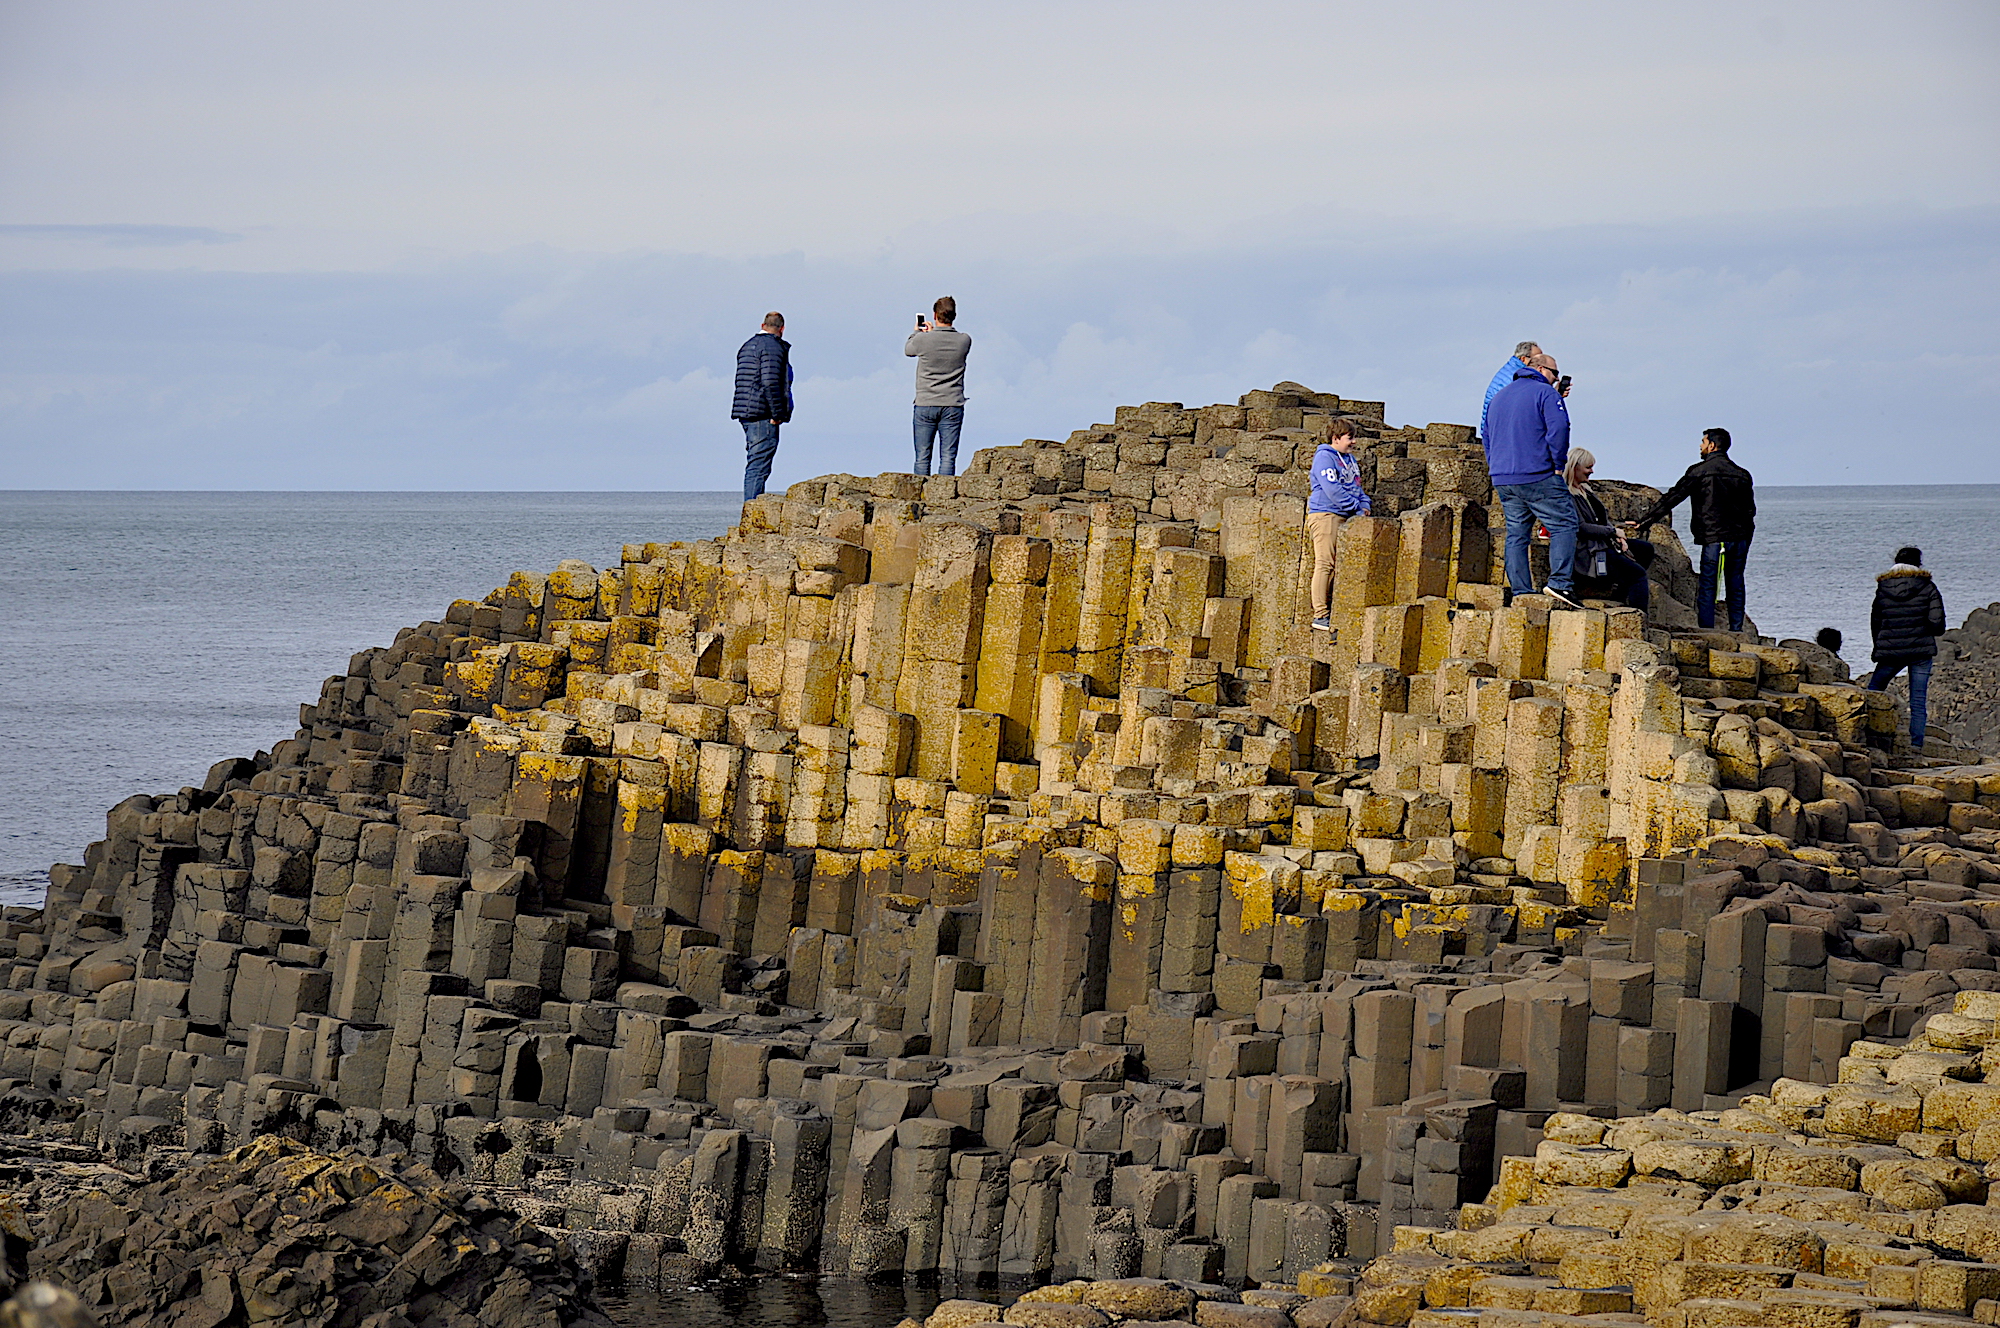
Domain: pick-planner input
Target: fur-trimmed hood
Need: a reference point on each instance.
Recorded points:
(1908, 614)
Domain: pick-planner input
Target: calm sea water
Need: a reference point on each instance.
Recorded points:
(152, 634)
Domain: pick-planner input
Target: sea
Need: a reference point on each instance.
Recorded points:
(152, 634)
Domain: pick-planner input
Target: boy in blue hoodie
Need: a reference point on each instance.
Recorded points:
(1336, 495)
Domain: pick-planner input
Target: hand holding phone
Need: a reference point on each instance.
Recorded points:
(921, 325)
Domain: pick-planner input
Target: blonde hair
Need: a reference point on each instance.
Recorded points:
(1579, 457)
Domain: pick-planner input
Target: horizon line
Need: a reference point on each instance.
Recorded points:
(637, 493)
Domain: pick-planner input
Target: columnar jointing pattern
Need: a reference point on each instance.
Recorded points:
(996, 875)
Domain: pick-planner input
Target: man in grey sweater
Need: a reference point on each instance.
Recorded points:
(940, 350)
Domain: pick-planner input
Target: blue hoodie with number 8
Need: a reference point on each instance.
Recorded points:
(1336, 483)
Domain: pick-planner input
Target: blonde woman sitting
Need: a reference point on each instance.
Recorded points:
(1604, 557)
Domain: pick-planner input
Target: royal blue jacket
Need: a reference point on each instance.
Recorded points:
(763, 380)
(1500, 380)
(1527, 430)
(1336, 484)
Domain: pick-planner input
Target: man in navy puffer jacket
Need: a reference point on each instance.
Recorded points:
(1523, 352)
(763, 399)
(1527, 442)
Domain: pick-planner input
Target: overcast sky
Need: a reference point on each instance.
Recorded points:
(514, 246)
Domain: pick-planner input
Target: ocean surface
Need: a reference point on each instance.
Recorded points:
(150, 635)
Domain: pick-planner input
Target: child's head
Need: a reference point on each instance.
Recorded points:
(1829, 638)
(1340, 434)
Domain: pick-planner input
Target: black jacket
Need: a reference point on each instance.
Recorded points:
(763, 380)
(1908, 616)
(1594, 531)
(1725, 508)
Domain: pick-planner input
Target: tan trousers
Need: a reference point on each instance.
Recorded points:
(1323, 529)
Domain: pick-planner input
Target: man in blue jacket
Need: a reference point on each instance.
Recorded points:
(1523, 352)
(1527, 442)
(763, 399)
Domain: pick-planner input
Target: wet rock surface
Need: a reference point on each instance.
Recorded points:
(277, 1232)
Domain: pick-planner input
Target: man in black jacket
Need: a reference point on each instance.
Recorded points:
(763, 399)
(1906, 622)
(1723, 518)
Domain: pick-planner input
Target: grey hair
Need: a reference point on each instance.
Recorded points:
(1522, 350)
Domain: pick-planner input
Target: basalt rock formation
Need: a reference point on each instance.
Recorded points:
(1965, 680)
(997, 876)
(278, 1233)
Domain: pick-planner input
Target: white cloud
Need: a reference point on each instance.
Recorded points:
(505, 370)
(372, 131)
(448, 245)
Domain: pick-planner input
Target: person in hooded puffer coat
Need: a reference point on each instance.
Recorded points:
(1907, 620)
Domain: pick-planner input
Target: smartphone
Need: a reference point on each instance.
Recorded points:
(920, 322)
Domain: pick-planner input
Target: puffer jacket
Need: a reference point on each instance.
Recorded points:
(1500, 380)
(1908, 616)
(1725, 501)
(763, 380)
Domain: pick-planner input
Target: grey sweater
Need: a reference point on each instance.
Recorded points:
(940, 365)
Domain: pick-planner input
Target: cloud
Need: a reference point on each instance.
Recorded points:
(1031, 129)
(122, 236)
(1813, 338)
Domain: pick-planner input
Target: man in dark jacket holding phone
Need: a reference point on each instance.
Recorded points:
(1723, 519)
(1906, 621)
(763, 399)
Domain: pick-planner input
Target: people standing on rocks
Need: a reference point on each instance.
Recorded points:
(1906, 621)
(1527, 443)
(940, 350)
(1603, 553)
(1723, 518)
(763, 399)
(1523, 352)
(1336, 496)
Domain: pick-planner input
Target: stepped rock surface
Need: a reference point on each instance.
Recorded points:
(995, 876)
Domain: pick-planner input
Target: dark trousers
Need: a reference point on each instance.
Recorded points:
(1731, 554)
(941, 423)
(1627, 575)
(760, 448)
(1920, 687)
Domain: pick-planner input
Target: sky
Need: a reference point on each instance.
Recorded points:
(515, 246)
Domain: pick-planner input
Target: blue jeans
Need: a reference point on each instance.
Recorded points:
(760, 447)
(1546, 500)
(1732, 553)
(943, 424)
(1920, 687)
